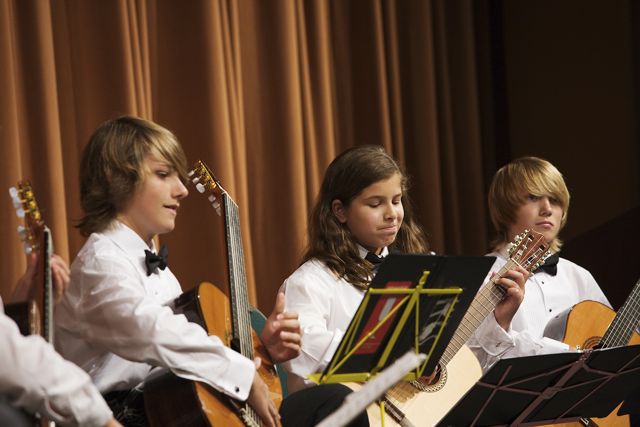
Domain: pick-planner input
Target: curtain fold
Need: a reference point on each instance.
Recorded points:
(266, 93)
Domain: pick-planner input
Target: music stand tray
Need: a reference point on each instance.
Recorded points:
(414, 303)
(549, 388)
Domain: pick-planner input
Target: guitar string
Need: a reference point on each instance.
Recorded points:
(485, 301)
(614, 333)
(239, 290)
(625, 322)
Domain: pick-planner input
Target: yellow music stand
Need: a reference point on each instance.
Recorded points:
(414, 303)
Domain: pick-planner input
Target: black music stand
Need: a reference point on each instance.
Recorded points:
(631, 405)
(414, 303)
(549, 388)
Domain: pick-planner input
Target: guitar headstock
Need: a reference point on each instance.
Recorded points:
(205, 181)
(529, 249)
(26, 207)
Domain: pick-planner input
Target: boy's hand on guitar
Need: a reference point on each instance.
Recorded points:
(512, 282)
(260, 400)
(60, 276)
(281, 334)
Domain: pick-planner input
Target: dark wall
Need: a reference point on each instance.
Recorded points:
(564, 87)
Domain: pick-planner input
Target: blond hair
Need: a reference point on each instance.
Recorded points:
(112, 166)
(510, 186)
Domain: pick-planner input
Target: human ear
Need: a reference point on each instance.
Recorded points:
(338, 211)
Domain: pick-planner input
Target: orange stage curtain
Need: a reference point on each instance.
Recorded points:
(266, 92)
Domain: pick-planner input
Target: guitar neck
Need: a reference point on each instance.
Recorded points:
(41, 291)
(626, 321)
(240, 318)
(46, 289)
(482, 305)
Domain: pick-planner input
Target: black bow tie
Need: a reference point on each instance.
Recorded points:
(153, 261)
(550, 265)
(375, 260)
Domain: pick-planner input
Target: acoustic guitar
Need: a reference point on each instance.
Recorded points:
(425, 401)
(35, 315)
(589, 324)
(193, 403)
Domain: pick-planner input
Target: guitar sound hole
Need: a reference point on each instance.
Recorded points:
(592, 342)
(433, 382)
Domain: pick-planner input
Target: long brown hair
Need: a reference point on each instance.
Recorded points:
(111, 166)
(331, 241)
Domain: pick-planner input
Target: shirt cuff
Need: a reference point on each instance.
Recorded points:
(237, 379)
(493, 339)
(550, 346)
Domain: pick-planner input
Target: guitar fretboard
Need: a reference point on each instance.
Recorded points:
(241, 319)
(625, 322)
(527, 253)
(482, 305)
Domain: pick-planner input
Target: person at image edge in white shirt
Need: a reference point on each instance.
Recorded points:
(35, 378)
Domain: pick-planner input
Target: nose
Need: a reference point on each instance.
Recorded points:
(545, 206)
(180, 190)
(390, 213)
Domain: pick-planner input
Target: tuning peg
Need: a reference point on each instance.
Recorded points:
(22, 232)
(17, 205)
(13, 191)
(200, 188)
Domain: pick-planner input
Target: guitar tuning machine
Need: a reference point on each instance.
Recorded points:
(214, 202)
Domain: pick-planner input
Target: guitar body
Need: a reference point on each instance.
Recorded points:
(424, 404)
(584, 325)
(26, 315)
(426, 408)
(171, 400)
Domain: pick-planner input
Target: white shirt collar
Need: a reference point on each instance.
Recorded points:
(363, 252)
(127, 239)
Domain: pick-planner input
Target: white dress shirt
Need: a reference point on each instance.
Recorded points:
(325, 305)
(34, 377)
(545, 297)
(113, 322)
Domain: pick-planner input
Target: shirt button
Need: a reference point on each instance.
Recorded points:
(549, 310)
(237, 389)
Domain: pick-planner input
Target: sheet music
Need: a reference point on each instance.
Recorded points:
(358, 401)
